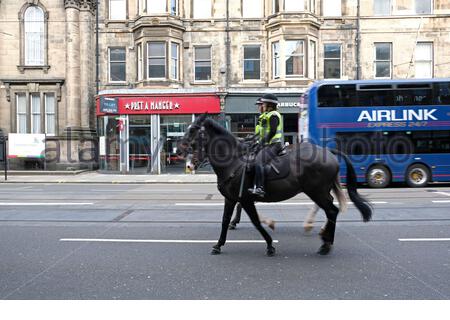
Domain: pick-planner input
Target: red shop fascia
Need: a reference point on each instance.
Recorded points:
(164, 104)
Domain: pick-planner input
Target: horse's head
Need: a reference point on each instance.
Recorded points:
(192, 145)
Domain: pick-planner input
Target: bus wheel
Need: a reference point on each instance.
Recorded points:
(417, 176)
(378, 177)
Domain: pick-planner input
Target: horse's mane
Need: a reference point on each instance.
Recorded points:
(211, 123)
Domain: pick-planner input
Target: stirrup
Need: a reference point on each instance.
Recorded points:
(257, 191)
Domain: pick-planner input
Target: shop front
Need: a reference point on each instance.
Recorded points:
(139, 133)
(242, 114)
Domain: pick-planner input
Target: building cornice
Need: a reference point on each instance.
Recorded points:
(88, 5)
(74, 4)
(8, 82)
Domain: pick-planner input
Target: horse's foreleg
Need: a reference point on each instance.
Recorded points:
(250, 208)
(227, 213)
(237, 217)
(308, 225)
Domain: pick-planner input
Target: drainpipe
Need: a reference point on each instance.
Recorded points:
(228, 49)
(358, 41)
(227, 68)
(97, 54)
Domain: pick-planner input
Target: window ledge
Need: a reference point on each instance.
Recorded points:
(201, 82)
(251, 81)
(119, 83)
(22, 68)
(159, 82)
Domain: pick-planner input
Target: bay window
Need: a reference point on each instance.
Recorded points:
(295, 58)
(156, 52)
(294, 5)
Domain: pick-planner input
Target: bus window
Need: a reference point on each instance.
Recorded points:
(343, 95)
(413, 97)
(441, 93)
(376, 98)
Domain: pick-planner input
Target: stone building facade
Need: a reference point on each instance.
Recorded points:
(47, 75)
(234, 48)
(299, 28)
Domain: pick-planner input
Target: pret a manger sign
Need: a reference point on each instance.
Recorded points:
(168, 104)
(153, 105)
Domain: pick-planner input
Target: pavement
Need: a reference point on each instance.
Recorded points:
(104, 178)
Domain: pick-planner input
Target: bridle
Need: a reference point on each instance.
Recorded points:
(196, 155)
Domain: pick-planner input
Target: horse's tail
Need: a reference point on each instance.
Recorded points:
(337, 190)
(360, 202)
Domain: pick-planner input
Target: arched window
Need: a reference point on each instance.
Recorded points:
(34, 36)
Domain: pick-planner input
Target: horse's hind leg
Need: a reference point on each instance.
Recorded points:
(325, 201)
(250, 208)
(237, 217)
(308, 225)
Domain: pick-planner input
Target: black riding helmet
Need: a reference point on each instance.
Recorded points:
(270, 99)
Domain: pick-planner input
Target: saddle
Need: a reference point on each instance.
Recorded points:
(274, 169)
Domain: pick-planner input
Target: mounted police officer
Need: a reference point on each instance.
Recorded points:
(271, 136)
(261, 123)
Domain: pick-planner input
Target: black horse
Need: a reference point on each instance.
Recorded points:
(237, 219)
(304, 168)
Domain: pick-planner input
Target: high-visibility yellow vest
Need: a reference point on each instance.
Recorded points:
(259, 129)
(279, 132)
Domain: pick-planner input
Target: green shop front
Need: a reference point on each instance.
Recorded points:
(242, 113)
(139, 132)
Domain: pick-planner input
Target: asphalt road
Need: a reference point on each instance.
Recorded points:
(154, 241)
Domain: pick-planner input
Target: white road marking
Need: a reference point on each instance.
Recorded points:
(46, 203)
(143, 190)
(424, 239)
(440, 201)
(443, 193)
(159, 241)
(202, 204)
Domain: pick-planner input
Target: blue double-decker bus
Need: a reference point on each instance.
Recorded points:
(393, 130)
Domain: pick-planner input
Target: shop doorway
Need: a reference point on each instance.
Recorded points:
(110, 144)
(172, 129)
(140, 153)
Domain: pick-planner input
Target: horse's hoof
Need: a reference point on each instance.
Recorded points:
(322, 231)
(308, 228)
(270, 251)
(271, 224)
(232, 227)
(324, 249)
(215, 250)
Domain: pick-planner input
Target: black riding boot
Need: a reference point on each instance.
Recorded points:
(258, 189)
